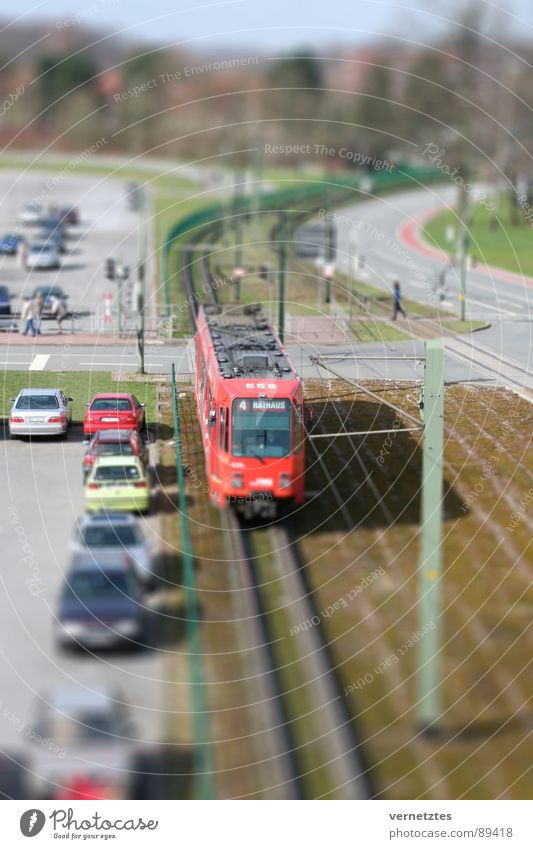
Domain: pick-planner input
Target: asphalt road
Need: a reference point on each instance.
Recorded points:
(107, 228)
(377, 230)
(40, 502)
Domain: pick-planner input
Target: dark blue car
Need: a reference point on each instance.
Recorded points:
(100, 604)
(9, 243)
(5, 301)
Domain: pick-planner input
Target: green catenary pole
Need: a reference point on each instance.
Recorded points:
(141, 280)
(202, 756)
(238, 237)
(430, 568)
(282, 254)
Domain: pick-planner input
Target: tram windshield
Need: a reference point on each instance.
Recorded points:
(261, 427)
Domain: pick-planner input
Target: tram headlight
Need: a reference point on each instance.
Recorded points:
(285, 480)
(237, 480)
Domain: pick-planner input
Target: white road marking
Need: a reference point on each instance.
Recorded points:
(39, 362)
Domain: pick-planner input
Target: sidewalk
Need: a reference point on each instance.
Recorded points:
(11, 339)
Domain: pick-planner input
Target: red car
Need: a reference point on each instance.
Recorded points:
(113, 410)
(109, 442)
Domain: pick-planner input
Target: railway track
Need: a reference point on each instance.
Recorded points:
(330, 728)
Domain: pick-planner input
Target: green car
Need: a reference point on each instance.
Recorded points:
(117, 483)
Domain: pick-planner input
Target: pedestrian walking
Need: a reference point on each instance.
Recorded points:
(22, 253)
(58, 308)
(26, 317)
(397, 301)
(37, 312)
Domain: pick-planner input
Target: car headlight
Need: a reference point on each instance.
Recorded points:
(73, 629)
(126, 627)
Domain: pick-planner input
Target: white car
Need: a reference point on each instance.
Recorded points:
(31, 213)
(43, 255)
(40, 412)
(117, 532)
(81, 736)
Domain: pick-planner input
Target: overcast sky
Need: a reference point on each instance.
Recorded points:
(269, 24)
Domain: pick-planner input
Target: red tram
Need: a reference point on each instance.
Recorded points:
(250, 407)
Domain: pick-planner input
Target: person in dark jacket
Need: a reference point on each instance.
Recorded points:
(397, 301)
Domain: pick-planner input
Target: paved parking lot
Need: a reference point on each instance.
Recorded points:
(107, 228)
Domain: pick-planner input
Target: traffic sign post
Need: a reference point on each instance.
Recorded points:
(328, 277)
(430, 568)
(238, 274)
(464, 242)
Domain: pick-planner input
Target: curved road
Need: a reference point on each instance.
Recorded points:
(385, 231)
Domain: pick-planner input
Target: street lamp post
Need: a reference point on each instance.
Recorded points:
(464, 242)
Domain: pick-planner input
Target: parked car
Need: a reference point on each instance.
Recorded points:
(121, 443)
(42, 256)
(49, 292)
(90, 744)
(40, 412)
(31, 213)
(54, 223)
(77, 715)
(10, 243)
(100, 602)
(70, 215)
(113, 410)
(5, 301)
(101, 532)
(118, 483)
(55, 237)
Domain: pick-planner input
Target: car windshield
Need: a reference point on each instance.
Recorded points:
(117, 473)
(48, 293)
(111, 448)
(3, 292)
(42, 247)
(98, 584)
(103, 405)
(108, 536)
(261, 427)
(84, 727)
(37, 402)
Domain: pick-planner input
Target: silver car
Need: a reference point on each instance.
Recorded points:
(80, 735)
(40, 412)
(99, 533)
(43, 255)
(31, 213)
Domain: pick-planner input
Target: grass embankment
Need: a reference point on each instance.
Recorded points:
(235, 751)
(79, 385)
(482, 749)
(495, 238)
